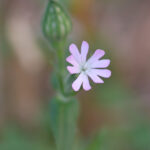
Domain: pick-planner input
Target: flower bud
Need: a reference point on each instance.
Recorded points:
(56, 23)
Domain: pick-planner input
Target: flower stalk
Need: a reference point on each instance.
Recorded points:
(56, 26)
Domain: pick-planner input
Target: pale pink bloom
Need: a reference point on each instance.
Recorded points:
(92, 68)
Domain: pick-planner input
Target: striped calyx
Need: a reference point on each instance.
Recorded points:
(56, 23)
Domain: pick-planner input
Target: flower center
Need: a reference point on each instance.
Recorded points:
(83, 68)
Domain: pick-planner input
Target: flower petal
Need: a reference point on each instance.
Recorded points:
(105, 73)
(86, 84)
(93, 75)
(100, 63)
(84, 51)
(75, 52)
(70, 59)
(78, 82)
(73, 69)
(96, 56)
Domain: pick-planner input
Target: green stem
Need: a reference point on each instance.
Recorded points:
(60, 63)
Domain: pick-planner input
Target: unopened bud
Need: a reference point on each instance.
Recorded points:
(56, 23)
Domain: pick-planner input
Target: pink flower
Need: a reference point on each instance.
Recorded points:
(92, 68)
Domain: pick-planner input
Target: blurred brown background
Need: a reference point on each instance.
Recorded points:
(121, 27)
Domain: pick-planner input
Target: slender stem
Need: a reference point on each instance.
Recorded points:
(59, 68)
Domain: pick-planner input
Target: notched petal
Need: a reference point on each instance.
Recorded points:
(95, 57)
(100, 63)
(78, 82)
(95, 78)
(70, 59)
(105, 73)
(84, 51)
(73, 69)
(86, 84)
(75, 52)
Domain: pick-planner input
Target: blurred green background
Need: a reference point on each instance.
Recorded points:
(114, 115)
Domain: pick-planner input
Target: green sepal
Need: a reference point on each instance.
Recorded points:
(63, 118)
